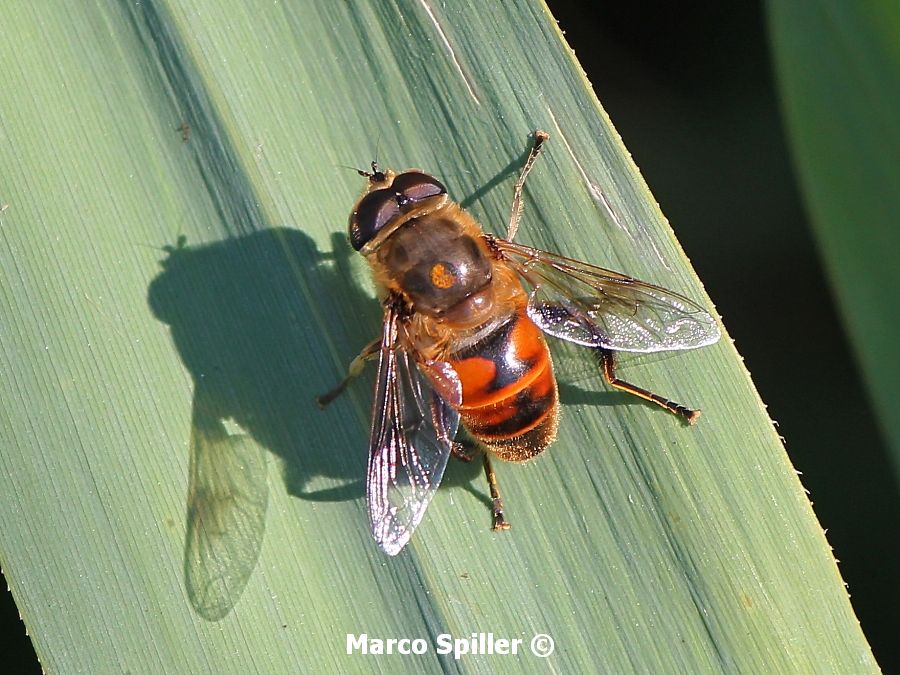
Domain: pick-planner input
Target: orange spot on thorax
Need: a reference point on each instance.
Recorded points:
(441, 277)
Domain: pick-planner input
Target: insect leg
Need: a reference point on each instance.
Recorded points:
(496, 503)
(356, 367)
(465, 452)
(608, 368)
(516, 212)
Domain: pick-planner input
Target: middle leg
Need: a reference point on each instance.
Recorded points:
(607, 360)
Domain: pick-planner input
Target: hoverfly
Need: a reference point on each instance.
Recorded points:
(463, 340)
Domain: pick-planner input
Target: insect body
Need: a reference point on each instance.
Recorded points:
(461, 305)
(463, 339)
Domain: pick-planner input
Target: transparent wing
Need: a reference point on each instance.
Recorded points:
(412, 431)
(226, 517)
(591, 306)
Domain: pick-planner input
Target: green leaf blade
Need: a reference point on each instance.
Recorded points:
(839, 77)
(638, 544)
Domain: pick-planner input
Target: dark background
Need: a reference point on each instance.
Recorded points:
(690, 87)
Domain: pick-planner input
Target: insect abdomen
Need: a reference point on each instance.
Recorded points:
(509, 397)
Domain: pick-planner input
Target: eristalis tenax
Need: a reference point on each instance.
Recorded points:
(465, 314)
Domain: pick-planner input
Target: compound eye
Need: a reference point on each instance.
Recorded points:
(375, 210)
(413, 187)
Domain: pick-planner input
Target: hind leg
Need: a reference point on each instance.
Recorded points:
(467, 451)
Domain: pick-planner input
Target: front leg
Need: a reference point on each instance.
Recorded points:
(516, 211)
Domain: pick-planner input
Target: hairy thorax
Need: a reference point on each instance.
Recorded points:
(457, 288)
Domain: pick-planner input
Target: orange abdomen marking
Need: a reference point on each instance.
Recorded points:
(509, 398)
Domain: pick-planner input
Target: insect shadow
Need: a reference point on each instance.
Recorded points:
(250, 354)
